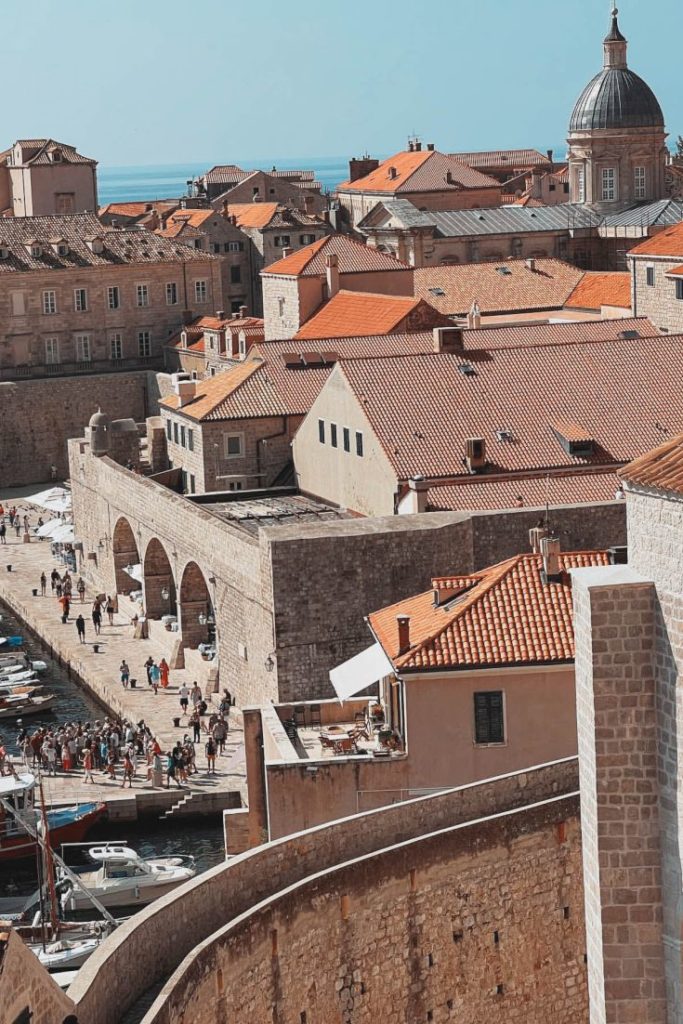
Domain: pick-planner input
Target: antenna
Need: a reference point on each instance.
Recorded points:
(547, 503)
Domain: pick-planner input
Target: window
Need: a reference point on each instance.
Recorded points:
(201, 291)
(116, 346)
(83, 348)
(232, 445)
(333, 435)
(650, 276)
(49, 302)
(142, 293)
(235, 305)
(80, 300)
(359, 443)
(113, 297)
(306, 239)
(321, 431)
(18, 300)
(51, 351)
(191, 483)
(517, 246)
(280, 306)
(347, 439)
(235, 246)
(281, 240)
(190, 439)
(639, 184)
(65, 202)
(198, 243)
(169, 429)
(182, 436)
(235, 485)
(609, 184)
(144, 344)
(235, 275)
(551, 187)
(679, 288)
(171, 294)
(581, 184)
(216, 247)
(175, 433)
(488, 717)
(242, 343)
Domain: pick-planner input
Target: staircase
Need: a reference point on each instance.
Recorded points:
(182, 802)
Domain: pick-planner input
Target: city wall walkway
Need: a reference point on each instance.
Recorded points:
(99, 674)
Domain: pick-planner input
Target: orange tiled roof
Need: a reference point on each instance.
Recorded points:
(504, 159)
(214, 390)
(612, 288)
(252, 215)
(354, 257)
(498, 287)
(478, 493)
(426, 171)
(660, 469)
(353, 314)
(665, 243)
(676, 272)
(504, 615)
(566, 333)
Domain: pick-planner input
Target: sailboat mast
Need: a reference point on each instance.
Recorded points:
(49, 864)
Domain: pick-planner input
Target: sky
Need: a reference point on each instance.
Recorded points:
(166, 81)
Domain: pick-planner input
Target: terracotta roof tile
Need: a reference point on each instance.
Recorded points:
(352, 314)
(594, 290)
(506, 616)
(504, 159)
(252, 215)
(566, 333)
(665, 243)
(354, 257)
(478, 493)
(497, 287)
(660, 469)
(426, 171)
(676, 272)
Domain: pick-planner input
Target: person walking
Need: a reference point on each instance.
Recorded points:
(125, 673)
(54, 576)
(87, 766)
(195, 694)
(66, 606)
(170, 770)
(196, 723)
(80, 587)
(128, 770)
(184, 698)
(148, 669)
(17, 526)
(110, 611)
(96, 617)
(163, 672)
(219, 733)
(3, 533)
(80, 628)
(154, 677)
(111, 762)
(43, 584)
(210, 749)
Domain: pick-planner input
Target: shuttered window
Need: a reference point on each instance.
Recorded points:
(488, 717)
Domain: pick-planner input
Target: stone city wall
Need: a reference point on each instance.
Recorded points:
(27, 991)
(196, 910)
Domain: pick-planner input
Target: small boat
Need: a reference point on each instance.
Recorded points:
(19, 690)
(123, 879)
(65, 954)
(21, 661)
(18, 677)
(11, 641)
(66, 824)
(10, 708)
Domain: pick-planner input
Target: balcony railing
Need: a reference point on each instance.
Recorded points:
(27, 371)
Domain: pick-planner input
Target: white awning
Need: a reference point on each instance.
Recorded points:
(64, 534)
(135, 571)
(49, 528)
(359, 672)
(55, 499)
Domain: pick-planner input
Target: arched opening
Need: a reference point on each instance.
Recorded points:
(160, 589)
(126, 556)
(197, 620)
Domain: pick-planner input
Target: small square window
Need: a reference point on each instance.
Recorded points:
(333, 435)
(321, 431)
(489, 725)
(233, 445)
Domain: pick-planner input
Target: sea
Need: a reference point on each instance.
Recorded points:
(166, 181)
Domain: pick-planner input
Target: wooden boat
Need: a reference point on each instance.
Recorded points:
(20, 690)
(123, 879)
(18, 677)
(22, 708)
(66, 824)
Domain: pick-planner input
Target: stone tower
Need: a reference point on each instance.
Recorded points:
(617, 140)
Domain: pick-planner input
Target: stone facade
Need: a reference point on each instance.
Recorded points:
(40, 177)
(29, 993)
(656, 296)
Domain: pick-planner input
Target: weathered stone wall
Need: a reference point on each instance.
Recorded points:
(196, 910)
(657, 301)
(26, 986)
(480, 923)
(39, 416)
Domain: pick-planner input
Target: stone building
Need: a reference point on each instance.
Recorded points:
(77, 296)
(211, 344)
(384, 433)
(657, 279)
(507, 164)
(42, 178)
(617, 140)
(272, 186)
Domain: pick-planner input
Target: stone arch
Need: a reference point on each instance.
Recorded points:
(195, 605)
(126, 552)
(158, 576)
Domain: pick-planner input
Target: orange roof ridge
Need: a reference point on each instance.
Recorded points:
(661, 468)
(214, 390)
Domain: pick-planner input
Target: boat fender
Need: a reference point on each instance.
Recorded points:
(35, 923)
(137, 892)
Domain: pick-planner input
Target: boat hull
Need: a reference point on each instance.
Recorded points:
(66, 826)
(131, 896)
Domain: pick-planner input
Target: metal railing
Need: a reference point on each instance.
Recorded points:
(30, 371)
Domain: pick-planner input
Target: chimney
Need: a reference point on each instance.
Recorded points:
(531, 264)
(430, 147)
(550, 156)
(185, 390)
(361, 168)
(243, 312)
(392, 173)
(418, 146)
(474, 317)
(416, 503)
(220, 314)
(224, 208)
(550, 550)
(410, 145)
(308, 205)
(332, 273)
(449, 178)
(287, 251)
(447, 339)
(536, 535)
(403, 622)
(475, 454)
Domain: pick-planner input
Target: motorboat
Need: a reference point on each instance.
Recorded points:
(18, 690)
(121, 878)
(25, 676)
(11, 641)
(21, 708)
(65, 954)
(20, 662)
(65, 824)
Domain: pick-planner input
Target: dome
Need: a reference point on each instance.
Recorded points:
(98, 419)
(616, 98)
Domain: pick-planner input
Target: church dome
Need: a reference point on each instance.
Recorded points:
(616, 98)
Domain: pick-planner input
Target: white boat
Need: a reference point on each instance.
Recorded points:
(21, 707)
(15, 663)
(26, 676)
(18, 690)
(65, 954)
(123, 879)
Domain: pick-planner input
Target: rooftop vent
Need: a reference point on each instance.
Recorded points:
(505, 271)
(574, 439)
(475, 454)
(437, 291)
(505, 434)
(629, 335)
(467, 370)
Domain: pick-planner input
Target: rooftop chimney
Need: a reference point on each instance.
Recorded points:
(243, 312)
(287, 251)
(418, 490)
(185, 390)
(447, 339)
(536, 535)
(430, 147)
(550, 550)
(449, 178)
(392, 172)
(220, 314)
(418, 146)
(531, 264)
(224, 208)
(308, 205)
(550, 155)
(332, 274)
(403, 622)
(475, 454)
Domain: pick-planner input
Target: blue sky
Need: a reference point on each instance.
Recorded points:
(165, 81)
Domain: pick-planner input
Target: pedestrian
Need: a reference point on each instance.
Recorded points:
(163, 672)
(195, 694)
(43, 584)
(110, 611)
(170, 770)
(148, 668)
(80, 587)
(66, 606)
(184, 698)
(54, 577)
(125, 673)
(128, 771)
(58, 587)
(3, 533)
(96, 617)
(154, 677)
(17, 526)
(87, 765)
(196, 723)
(111, 763)
(219, 733)
(210, 749)
(80, 628)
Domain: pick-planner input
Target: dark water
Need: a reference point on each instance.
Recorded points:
(203, 840)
